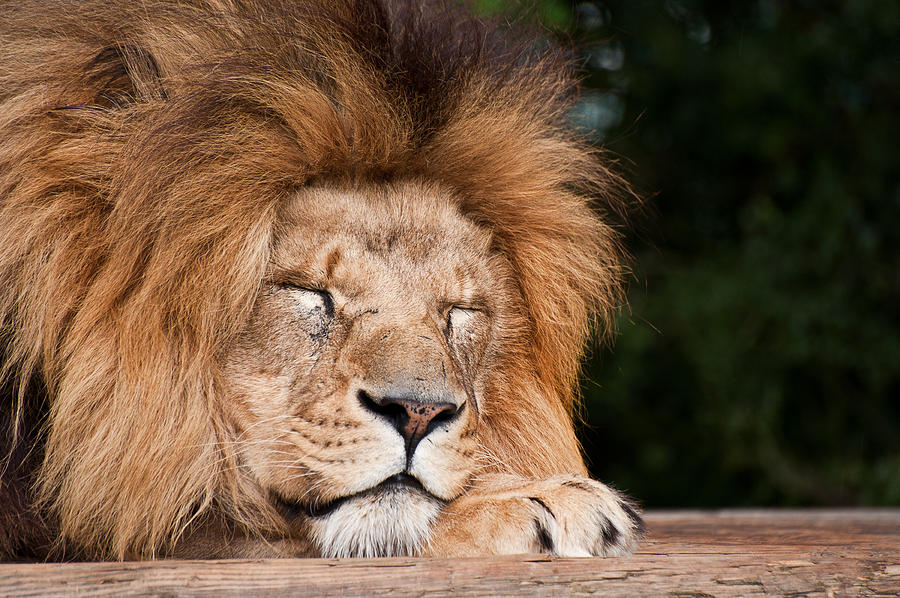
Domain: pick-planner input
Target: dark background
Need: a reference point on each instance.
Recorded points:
(758, 362)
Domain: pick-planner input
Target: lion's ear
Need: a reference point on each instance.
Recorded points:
(123, 75)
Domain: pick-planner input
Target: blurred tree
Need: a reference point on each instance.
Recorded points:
(759, 362)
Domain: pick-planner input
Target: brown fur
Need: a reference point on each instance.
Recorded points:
(146, 150)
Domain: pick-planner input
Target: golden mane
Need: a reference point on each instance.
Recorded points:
(144, 148)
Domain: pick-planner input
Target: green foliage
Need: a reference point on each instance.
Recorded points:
(551, 13)
(760, 360)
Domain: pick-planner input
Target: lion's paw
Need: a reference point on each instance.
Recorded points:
(564, 515)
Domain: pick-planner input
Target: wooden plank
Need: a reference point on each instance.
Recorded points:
(687, 554)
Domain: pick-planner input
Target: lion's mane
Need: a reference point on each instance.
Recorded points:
(144, 148)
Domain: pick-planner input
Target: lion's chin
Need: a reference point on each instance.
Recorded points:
(388, 520)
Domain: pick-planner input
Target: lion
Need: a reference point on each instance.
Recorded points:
(294, 278)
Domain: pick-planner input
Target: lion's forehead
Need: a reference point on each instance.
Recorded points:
(386, 241)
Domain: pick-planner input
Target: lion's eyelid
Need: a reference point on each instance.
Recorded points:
(459, 317)
(323, 296)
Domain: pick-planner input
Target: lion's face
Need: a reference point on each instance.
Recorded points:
(356, 388)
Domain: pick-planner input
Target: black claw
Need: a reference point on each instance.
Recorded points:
(544, 537)
(636, 519)
(579, 485)
(543, 504)
(609, 531)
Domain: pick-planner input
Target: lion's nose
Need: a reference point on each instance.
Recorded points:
(413, 418)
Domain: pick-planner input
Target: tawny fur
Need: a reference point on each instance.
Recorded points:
(145, 151)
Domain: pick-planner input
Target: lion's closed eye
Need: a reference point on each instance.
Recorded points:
(463, 323)
(317, 302)
(316, 306)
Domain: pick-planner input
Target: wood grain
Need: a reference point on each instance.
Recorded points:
(687, 554)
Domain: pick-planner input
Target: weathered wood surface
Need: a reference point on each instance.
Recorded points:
(687, 554)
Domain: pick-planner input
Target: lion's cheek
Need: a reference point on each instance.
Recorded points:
(444, 463)
(352, 468)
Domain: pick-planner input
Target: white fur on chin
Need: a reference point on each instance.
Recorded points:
(389, 522)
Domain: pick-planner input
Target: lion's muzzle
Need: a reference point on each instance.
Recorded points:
(413, 417)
